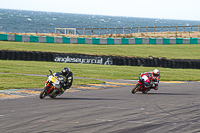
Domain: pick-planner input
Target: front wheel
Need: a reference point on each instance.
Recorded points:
(135, 89)
(43, 93)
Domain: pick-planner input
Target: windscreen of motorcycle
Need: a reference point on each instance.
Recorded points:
(145, 78)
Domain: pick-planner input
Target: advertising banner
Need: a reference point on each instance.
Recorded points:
(83, 59)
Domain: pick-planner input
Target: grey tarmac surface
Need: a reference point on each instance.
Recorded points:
(174, 108)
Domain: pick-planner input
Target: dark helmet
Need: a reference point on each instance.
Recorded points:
(65, 71)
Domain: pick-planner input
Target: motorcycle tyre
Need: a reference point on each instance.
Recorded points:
(135, 89)
(145, 92)
(54, 96)
(43, 93)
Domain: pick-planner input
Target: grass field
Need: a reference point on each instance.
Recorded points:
(179, 51)
(16, 81)
(186, 51)
(81, 70)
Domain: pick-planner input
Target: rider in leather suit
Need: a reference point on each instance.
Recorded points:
(155, 74)
(67, 77)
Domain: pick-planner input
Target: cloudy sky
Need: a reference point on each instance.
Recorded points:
(166, 9)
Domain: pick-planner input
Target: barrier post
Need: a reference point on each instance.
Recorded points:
(115, 32)
(146, 29)
(131, 30)
(83, 31)
(99, 31)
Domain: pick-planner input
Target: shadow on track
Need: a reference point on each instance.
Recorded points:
(165, 94)
(61, 98)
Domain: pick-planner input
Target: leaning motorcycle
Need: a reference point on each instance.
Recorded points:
(144, 84)
(52, 86)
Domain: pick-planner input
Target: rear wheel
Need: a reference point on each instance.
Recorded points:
(54, 96)
(145, 92)
(43, 93)
(135, 89)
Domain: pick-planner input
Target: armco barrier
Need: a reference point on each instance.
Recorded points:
(108, 41)
(95, 59)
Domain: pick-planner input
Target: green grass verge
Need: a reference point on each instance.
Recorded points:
(178, 51)
(9, 81)
(81, 70)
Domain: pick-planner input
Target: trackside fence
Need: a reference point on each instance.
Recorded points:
(125, 30)
(82, 40)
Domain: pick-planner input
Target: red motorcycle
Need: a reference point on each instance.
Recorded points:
(144, 84)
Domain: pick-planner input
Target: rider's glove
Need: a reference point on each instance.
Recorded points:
(154, 79)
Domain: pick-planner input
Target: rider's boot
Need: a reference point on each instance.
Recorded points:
(62, 90)
(156, 87)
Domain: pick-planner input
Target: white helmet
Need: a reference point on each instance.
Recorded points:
(156, 72)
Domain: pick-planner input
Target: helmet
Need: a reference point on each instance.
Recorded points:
(65, 71)
(156, 72)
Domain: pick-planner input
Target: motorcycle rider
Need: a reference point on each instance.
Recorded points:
(155, 74)
(67, 79)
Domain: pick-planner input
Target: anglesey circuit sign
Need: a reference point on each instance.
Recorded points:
(83, 59)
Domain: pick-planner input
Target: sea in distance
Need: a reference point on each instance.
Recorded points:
(22, 21)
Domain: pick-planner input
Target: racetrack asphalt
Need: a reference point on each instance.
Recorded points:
(174, 107)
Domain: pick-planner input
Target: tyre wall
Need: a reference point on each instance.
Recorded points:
(102, 60)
